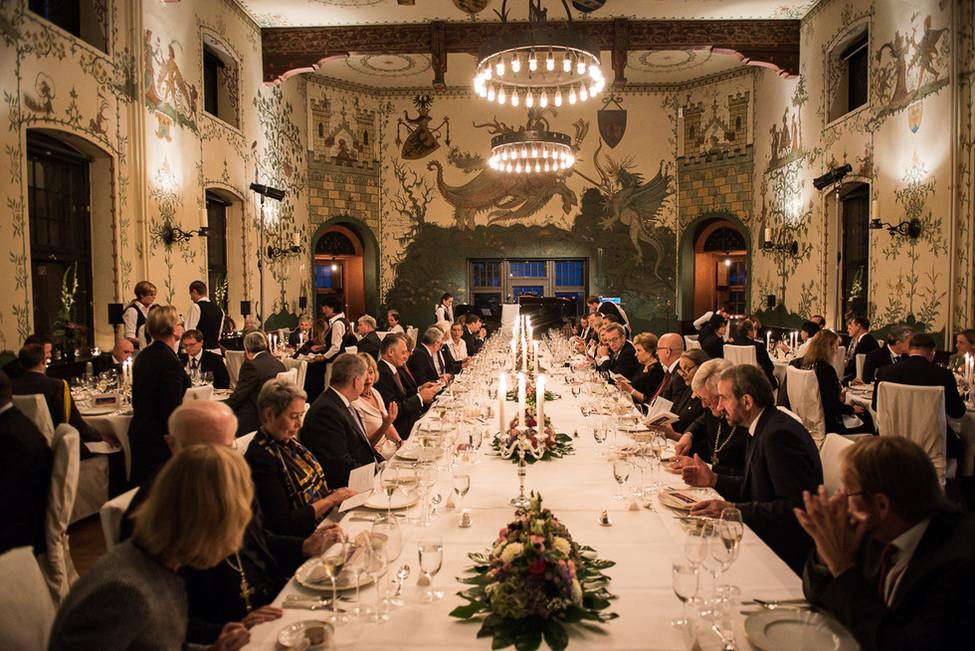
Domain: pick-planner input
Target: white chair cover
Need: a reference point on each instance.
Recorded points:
(244, 442)
(804, 399)
(830, 453)
(691, 342)
(300, 365)
(916, 413)
(839, 362)
(204, 392)
(412, 333)
(509, 314)
(235, 359)
(92, 487)
(860, 361)
(382, 334)
(26, 609)
(740, 354)
(34, 406)
(352, 350)
(290, 375)
(56, 562)
(111, 516)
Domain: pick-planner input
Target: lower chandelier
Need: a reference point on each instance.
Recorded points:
(531, 152)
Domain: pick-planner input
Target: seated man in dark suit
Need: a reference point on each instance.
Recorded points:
(622, 355)
(121, 353)
(396, 384)
(333, 430)
(259, 367)
(861, 343)
(203, 361)
(713, 341)
(745, 336)
(426, 364)
(473, 333)
(14, 370)
(369, 338)
(25, 476)
(780, 463)
(898, 342)
(894, 561)
(669, 349)
(299, 335)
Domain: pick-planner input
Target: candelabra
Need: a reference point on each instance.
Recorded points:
(522, 445)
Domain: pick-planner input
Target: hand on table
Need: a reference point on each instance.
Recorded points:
(322, 538)
(681, 449)
(233, 636)
(261, 615)
(711, 508)
(428, 392)
(696, 473)
(836, 531)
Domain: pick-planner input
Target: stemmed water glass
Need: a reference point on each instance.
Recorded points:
(600, 432)
(722, 549)
(684, 578)
(431, 559)
(333, 560)
(462, 484)
(427, 478)
(621, 472)
(377, 560)
(695, 546)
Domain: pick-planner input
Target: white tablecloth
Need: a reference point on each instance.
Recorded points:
(576, 488)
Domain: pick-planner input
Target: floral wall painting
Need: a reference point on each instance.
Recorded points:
(421, 140)
(167, 93)
(911, 66)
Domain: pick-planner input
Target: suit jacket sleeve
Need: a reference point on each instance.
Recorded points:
(221, 377)
(954, 405)
(246, 383)
(627, 364)
(325, 435)
(869, 369)
(386, 385)
(272, 495)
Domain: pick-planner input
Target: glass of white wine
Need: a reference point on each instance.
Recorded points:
(621, 472)
(389, 482)
(333, 560)
(431, 559)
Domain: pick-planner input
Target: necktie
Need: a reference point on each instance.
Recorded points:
(886, 560)
(661, 387)
(194, 364)
(403, 369)
(398, 382)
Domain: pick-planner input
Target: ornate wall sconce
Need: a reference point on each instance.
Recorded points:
(174, 235)
(911, 229)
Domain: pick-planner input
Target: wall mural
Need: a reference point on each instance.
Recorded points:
(167, 93)
(421, 140)
(910, 67)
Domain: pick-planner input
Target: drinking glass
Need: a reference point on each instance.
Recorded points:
(354, 566)
(462, 484)
(431, 559)
(333, 560)
(599, 432)
(684, 577)
(377, 560)
(207, 377)
(695, 546)
(658, 447)
(427, 478)
(722, 550)
(621, 471)
(388, 483)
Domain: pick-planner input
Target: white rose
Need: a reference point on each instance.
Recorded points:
(512, 551)
(576, 592)
(561, 545)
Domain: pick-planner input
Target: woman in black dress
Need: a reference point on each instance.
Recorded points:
(645, 384)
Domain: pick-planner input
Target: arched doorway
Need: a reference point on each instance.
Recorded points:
(714, 266)
(339, 269)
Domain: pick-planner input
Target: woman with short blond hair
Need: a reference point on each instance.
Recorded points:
(133, 597)
(376, 419)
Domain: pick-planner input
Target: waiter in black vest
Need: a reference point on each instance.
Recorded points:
(205, 317)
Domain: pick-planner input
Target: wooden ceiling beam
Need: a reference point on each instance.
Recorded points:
(292, 50)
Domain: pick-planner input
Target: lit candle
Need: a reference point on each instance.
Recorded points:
(768, 340)
(502, 396)
(521, 400)
(514, 356)
(524, 356)
(540, 405)
(535, 352)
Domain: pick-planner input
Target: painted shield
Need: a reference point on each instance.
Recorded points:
(471, 6)
(612, 125)
(419, 144)
(586, 6)
(914, 116)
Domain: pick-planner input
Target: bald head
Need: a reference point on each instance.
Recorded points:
(201, 422)
(669, 348)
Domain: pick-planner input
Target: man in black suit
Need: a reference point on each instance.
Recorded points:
(898, 340)
(473, 335)
(745, 336)
(426, 364)
(205, 317)
(259, 367)
(299, 335)
(112, 361)
(894, 562)
(195, 358)
(861, 343)
(333, 430)
(781, 462)
(622, 355)
(396, 384)
(713, 341)
(669, 349)
(369, 338)
(25, 476)
(14, 370)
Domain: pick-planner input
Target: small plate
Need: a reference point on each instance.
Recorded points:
(788, 629)
(319, 635)
(400, 500)
(311, 575)
(98, 411)
(413, 453)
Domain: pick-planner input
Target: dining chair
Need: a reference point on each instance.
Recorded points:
(204, 392)
(861, 359)
(26, 608)
(34, 406)
(916, 413)
(839, 362)
(244, 441)
(290, 375)
(691, 342)
(235, 359)
(55, 562)
(301, 366)
(740, 354)
(831, 454)
(804, 399)
(111, 515)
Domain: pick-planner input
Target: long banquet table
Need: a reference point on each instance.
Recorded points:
(576, 488)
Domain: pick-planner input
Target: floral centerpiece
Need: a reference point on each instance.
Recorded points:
(556, 445)
(71, 335)
(534, 582)
(530, 392)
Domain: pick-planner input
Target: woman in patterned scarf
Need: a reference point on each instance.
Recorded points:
(288, 480)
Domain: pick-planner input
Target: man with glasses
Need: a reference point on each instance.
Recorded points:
(894, 561)
(669, 349)
(621, 359)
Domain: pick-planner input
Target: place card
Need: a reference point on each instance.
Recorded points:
(105, 400)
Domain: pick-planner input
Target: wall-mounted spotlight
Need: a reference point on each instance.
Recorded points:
(173, 235)
(268, 191)
(835, 175)
(911, 229)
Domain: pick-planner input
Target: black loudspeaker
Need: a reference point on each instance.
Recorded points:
(302, 302)
(115, 313)
(245, 307)
(770, 301)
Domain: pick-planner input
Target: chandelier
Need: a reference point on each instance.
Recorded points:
(538, 66)
(530, 151)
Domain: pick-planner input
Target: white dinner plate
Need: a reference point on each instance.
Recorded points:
(794, 629)
(400, 500)
(311, 575)
(319, 635)
(413, 453)
(862, 388)
(98, 411)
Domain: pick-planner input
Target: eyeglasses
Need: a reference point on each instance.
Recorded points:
(849, 495)
(666, 348)
(685, 371)
(708, 402)
(611, 340)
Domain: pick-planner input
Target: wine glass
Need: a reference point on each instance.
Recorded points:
(207, 377)
(684, 578)
(722, 550)
(621, 471)
(695, 546)
(575, 390)
(333, 560)
(658, 447)
(377, 560)
(354, 566)
(388, 483)
(462, 484)
(427, 477)
(431, 559)
(599, 432)
(732, 530)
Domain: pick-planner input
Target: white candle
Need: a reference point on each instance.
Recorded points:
(540, 405)
(768, 340)
(514, 356)
(502, 396)
(521, 400)
(535, 352)
(524, 356)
